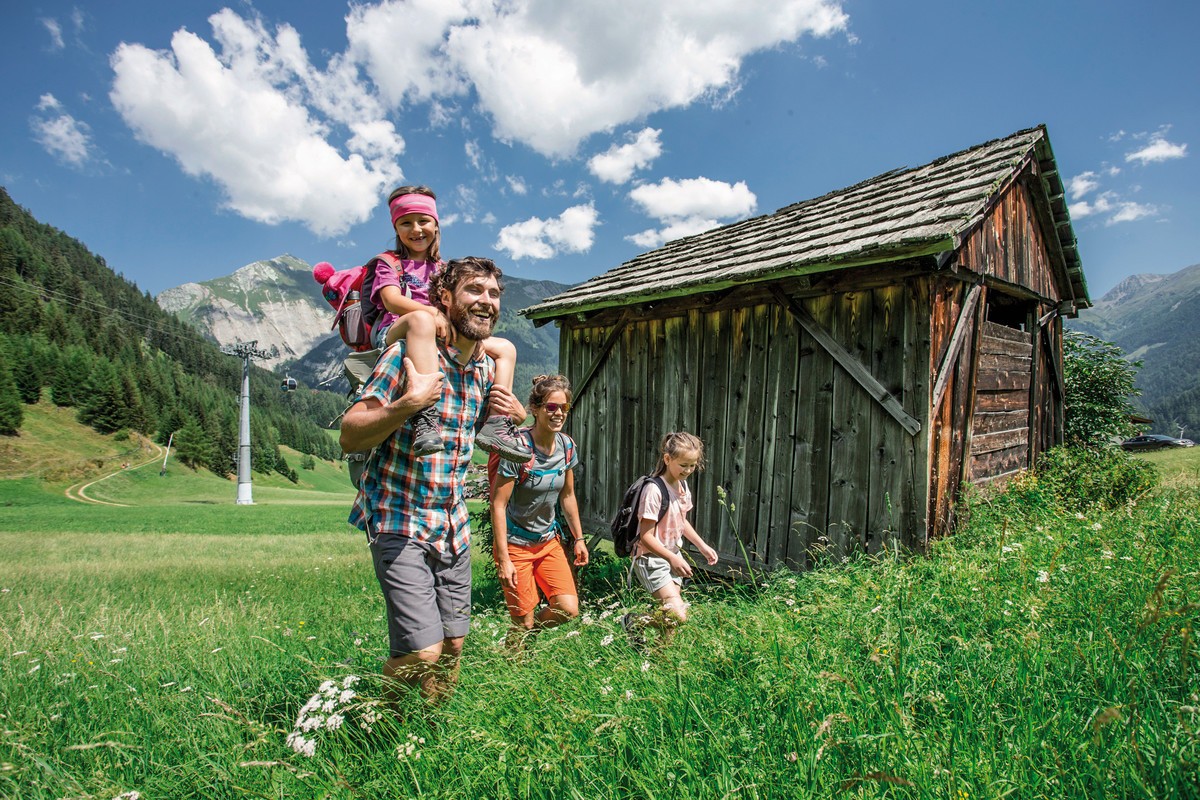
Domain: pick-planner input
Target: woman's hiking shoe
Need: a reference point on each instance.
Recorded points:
(427, 432)
(498, 435)
(633, 631)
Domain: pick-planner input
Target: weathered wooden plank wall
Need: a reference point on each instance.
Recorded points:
(918, 355)
(950, 421)
(1009, 245)
(807, 457)
(1001, 426)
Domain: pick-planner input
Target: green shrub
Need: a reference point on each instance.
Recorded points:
(1099, 385)
(1080, 477)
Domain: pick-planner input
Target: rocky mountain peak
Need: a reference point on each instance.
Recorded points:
(275, 302)
(1131, 287)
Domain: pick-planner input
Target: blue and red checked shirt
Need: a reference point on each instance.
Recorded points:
(422, 498)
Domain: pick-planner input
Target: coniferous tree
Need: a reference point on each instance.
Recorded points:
(20, 365)
(67, 385)
(103, 405)
(12, 411)
(192, 445)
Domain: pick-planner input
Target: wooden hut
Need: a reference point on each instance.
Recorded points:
(850, 361)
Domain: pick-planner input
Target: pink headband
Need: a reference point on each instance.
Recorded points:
(413, 204)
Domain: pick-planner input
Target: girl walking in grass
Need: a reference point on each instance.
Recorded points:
(659, 564)
(526, 530)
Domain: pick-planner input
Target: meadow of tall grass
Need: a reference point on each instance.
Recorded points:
(1040, 652)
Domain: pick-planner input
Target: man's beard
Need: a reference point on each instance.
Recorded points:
(471, 326)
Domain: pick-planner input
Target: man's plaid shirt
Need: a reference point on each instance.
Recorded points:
(423, 497)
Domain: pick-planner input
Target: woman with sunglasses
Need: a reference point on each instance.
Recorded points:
(526, 529)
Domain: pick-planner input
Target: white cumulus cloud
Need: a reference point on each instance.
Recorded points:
(256, 119)
(573, 231)
(288, 140)
(1130, 211)
(55, 30)
(1158, 149)
(619, 162)
(67, 139)
(1115, 210)
(689, 206)
(598, 64)
(1082, 184)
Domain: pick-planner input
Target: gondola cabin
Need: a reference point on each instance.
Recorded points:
(850, 361)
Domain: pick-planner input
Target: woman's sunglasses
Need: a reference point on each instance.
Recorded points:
(554, 408)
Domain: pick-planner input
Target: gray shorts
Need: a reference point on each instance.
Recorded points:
(653, 573)
(428, 594)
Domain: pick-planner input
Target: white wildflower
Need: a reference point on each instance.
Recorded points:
(128, 796)
(408, 749)
(606, 641)
(572, 633)
(629, 694)
(645, 666)
(1043, 576)
(329, 705)
(1106, 553)
(328, 688)
(334, 721)
(606, 689)
(302, 745)
(311, 723)
(346, 696)
(1095, 526)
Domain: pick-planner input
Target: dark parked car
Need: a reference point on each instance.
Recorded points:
(1154, 441)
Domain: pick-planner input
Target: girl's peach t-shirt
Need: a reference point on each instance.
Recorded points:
(670, 530)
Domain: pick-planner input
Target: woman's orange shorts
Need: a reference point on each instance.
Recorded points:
(541, 566)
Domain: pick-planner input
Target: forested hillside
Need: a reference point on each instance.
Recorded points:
(1156, 318)
(71, 327)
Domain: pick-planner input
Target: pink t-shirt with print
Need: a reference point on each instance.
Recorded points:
(670, 530)
(413, 281)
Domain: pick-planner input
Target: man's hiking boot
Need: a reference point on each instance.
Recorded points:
(427, 432)
(498, 435)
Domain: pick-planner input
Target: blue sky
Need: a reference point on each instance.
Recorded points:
(183, 140)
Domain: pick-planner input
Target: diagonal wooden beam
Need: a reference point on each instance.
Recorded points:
(1060, 386)
(601, 356)
(956, 341)
(852, 365)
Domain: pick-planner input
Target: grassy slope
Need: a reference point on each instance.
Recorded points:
(54, 451)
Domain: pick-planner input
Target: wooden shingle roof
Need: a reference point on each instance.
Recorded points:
(904, 213)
